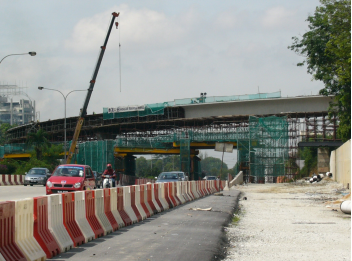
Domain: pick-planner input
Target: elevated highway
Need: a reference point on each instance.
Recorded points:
(183, 116)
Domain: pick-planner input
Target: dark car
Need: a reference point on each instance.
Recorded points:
(98, 180)
(36, 176)
(168, 177)
(70, 178)
(210, 178)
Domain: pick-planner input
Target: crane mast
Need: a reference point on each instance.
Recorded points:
(83, 111)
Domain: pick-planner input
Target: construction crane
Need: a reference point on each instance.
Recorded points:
(83, 111)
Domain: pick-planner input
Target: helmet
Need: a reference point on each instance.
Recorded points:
(109, 166)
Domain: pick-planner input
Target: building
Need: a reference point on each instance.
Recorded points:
(13, 108)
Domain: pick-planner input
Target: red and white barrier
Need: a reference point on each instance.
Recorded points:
(56, 223)
(11, 179)
(144, 201)
(107, 210)
(8, 247)
(113, 207)
(134, 203)
(100, 212)
(151, 200)
(80, 216)
(156, 199)
(127, 207)
(90, 214)
(24, 238)
(120, 207)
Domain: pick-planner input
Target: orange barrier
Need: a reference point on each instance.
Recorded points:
(41, 230)
(68, 207)
(126, 219)
(166, 195)
(133, 203)
(107, 210)
(90, 214)
(8, 248)
(170, 188)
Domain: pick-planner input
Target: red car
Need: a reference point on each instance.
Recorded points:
(70, 178)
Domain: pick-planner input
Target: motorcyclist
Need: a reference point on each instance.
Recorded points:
(109, 171)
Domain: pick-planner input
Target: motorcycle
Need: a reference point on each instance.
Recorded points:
(108, 181)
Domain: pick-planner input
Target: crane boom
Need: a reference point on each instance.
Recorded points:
(83, 111)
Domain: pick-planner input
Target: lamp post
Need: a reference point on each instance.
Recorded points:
(30, 53)
(65, 97)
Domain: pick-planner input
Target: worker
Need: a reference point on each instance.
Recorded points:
(109, 171)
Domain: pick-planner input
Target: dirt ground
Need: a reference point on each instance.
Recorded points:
(290, 221)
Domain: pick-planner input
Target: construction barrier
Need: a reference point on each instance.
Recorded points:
(174, 191)
(41, 229)
(144, 197)
(158, 197)
(11, 179)
(56, 223)
(127, 204)
(100, 211)
(90, 214)
(113, 207)
(170, 191)
(80, 217)
(68, 204)
(163, 197)
(151, 200)
(138, 201)
(107, 210)
(120, 207)
(8, 247)
(134, 204)
(24, 231)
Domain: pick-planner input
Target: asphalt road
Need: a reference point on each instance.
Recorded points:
(20, 192)
(179, 234)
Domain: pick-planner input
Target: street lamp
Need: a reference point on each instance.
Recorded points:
(65, 97)
(30, 53)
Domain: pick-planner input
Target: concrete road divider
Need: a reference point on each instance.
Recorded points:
(170, 188)
(8, 247)
(41, 230)
(107, 210)
(134, 203)
(174, 189)
(56, 223)
(68, 206)
(127, 204)
(189, 190)
(80, 216)
(144, 197)
(24, 231)
(90, 214)
(120, 207)
(179, 192)
(157, 204)
(113, 207)
(138, 201)
(100, 211)
(151, 200)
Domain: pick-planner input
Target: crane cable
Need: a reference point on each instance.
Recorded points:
(119, 50)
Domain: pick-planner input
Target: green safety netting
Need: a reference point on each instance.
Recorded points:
(158, 108)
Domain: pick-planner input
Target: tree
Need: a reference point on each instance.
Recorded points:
(327, 48)
(39, 141)
(212, 166)
(3, 128)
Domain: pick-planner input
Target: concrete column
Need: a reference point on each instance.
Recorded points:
(323, 160)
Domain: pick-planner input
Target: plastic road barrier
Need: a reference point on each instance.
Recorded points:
(107, 210)
(157, 196)
(189, 190)
(113, 207)
(120, 208)
(127, 204)
(7, 180)
(80, 216)
(68, 206)
(41, 230)
(8, 247)
(179, 192)
(193, 190)
(184, 191)
(2, 180)
(168, 196)
(144, 200)
(100, 211)
(174, 190)
(24, 230)
(162, 196)
(170, 187)
(151, 200)
(2, 258)
(56, 223)
(142, 208)
(134, 203)
(90, 214)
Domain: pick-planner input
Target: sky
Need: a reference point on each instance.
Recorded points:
(169, 50)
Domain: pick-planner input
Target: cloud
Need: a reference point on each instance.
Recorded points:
(278, 17)
(137, 27)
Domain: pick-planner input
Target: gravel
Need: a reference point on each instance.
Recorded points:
(290, 221)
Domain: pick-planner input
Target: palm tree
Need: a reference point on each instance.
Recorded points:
(39, 141)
